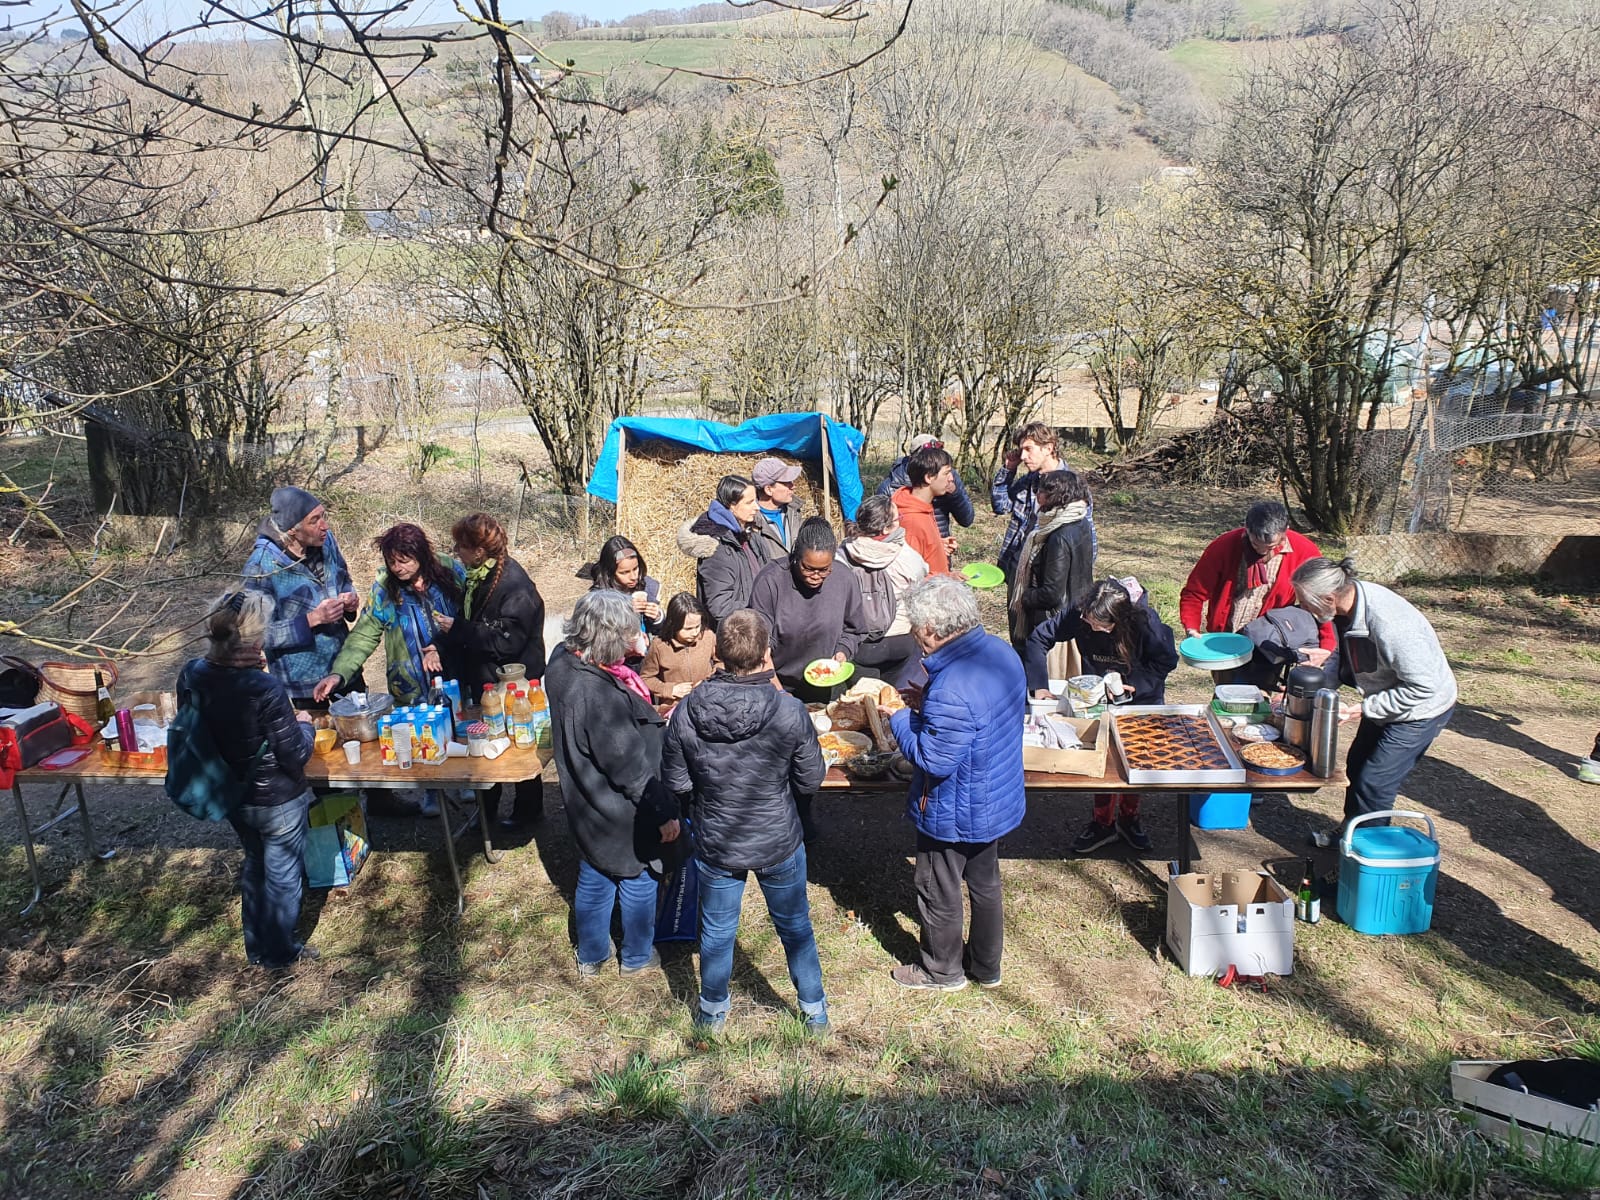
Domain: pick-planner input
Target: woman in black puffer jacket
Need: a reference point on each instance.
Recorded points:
(264, 739)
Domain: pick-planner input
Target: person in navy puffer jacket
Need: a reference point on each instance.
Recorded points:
(963, 736)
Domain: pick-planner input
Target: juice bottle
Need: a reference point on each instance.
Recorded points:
(494, 710)
(521, 719)
(536, 697)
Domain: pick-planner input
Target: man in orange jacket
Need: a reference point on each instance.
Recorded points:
(932, 474)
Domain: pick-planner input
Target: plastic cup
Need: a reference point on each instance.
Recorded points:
(352, 752)
(403, 733)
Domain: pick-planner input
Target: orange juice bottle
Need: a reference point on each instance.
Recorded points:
(521, 719)
(536, 697)
(494, 710)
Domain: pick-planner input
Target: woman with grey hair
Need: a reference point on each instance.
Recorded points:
(607, 741)
(1391, 654)
(266, 743)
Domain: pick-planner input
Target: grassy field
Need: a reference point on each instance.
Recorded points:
(426, 1056)
(1214, 65)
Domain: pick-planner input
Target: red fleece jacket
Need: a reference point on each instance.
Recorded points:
(1212, 581)
(922, 531)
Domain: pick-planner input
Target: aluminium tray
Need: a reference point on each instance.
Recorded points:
(1234, 773)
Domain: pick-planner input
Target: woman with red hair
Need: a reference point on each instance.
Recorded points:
(502, 621)
(414, 599)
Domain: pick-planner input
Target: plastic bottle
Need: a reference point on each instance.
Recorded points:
(494, 710)
(521, 719)
(438, 697)
(536, 697)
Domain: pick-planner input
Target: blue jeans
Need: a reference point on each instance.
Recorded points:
(270, 885)
(1380, 758)
(722, 894)
(592, 905)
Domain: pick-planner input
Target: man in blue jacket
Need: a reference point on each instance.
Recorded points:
(963, 736)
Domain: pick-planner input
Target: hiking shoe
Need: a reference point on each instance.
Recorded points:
(653, 961)
(706, 1025)
(1589, 771)
(1094, 836)
(1130, 830)
(985, 983)
(966, 968)
(915, 975)
(593, 970)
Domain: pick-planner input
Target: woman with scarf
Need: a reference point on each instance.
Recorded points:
(1056, 565)
(721, 539)
(412, 593)
(502, 622)
(607, 739)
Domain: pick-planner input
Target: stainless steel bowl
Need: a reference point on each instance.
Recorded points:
(356, 723)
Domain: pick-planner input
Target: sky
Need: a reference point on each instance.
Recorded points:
(22, 12)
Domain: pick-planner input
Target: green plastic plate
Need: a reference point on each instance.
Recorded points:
(983, 575)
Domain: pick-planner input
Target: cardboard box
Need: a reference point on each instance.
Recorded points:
(1242, 918)
(1494, 1107)
(1091, 760)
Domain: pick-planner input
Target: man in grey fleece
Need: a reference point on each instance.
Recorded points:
(1392, 656)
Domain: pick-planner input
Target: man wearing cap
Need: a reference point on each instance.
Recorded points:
(780, 510)
(954, 506)
(297, 562)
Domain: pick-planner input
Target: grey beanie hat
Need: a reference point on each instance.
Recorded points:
(290, 506)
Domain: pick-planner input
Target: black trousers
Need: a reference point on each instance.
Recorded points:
(942, 867)
(528, 805)
(891, 659)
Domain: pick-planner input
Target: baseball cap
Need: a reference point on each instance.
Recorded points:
(919, 440)
(774, 470)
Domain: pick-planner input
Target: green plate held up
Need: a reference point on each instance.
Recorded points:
(983, 575)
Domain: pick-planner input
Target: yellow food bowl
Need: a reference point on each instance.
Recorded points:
(325, 740)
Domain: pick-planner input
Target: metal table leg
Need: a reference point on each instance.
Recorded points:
(450, 855)
(1185, 860)
(489, 852)
(88, 827)
(27, 846)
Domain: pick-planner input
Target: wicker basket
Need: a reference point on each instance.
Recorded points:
(71, 685)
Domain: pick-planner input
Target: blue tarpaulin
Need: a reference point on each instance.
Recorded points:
(796, 434)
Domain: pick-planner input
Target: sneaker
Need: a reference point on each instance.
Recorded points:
(593, 970)
(706, 1025)
(966, 967)
(816, 1025)
(1131, 831)
(1094, 836)
(653, 961)
(1589, 771)
(915, 975)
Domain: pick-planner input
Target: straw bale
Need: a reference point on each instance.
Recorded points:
(666, 483)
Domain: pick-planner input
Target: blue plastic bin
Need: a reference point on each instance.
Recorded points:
(1220, 810)
(1387, 875)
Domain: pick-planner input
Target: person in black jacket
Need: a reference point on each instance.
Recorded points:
(740, 750)
(723, 540)
(1056, 564)
(953, 506)
(256, 728)
(501, 622)
(607, 741)
(1121, 636)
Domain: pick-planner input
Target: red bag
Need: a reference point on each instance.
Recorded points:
(28, 735)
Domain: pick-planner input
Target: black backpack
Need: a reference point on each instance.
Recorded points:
(877, 597)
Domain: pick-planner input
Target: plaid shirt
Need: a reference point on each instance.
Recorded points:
(1016, 494)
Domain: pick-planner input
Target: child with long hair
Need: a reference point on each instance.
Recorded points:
(1117, 632)
(621, 567)
(683, 654)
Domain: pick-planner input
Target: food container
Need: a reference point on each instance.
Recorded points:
(324, 740)
(1239, 697)
(357, 719)
(477, 738)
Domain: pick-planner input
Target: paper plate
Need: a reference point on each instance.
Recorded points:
(983, 575)
(841, 672)
(1216, 651)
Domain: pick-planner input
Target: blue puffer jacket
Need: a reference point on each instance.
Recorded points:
(966, 743)
(297, 654)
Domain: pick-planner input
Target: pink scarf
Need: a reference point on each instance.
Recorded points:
(629, 678)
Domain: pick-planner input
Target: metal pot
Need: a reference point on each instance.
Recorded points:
(357, 720)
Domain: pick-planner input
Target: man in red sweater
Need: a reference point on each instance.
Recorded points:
(1247, 572)
(932, 475)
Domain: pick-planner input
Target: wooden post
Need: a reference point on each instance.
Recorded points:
(622, 457)
(827, 501)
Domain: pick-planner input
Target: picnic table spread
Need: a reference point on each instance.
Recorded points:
(326, 769)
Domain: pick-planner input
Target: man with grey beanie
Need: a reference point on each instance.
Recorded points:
(297, 562)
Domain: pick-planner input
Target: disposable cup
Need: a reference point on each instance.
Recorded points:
(402, 732)
(352, 752)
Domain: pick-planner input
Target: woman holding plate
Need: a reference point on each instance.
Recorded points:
(815, 611)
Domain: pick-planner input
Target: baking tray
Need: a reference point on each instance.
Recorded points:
(1233, 774)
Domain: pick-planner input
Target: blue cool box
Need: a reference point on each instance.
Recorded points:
(1387, 875)
(1220, 810)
